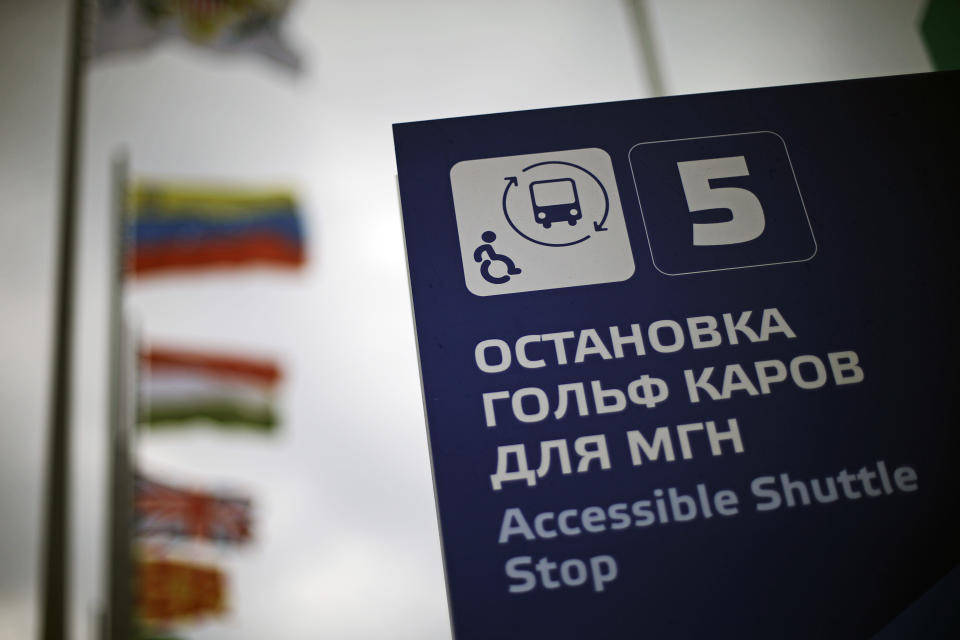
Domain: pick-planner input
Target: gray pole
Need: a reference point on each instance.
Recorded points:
(122, 408)
(54, 616)
(651, 60)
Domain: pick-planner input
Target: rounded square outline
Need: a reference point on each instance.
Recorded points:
(613, 173)
(636, 187)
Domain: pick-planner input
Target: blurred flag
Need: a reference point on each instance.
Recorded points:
(190, 227)
(941, 33)
(179, 387)
(223, 25)
(165, 510)
(171, 591)
(146, 633)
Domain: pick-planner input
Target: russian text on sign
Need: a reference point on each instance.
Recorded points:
(805, 371)
(662, 443)
(663, 336)
(512, 464)
(532, 404)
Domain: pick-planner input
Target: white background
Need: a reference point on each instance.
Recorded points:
(482, 199)
(347, 539)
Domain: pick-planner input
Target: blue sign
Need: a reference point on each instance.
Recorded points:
(688, 362)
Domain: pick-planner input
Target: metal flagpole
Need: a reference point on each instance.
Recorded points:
(56, 551)
(651, 61)
(122, 407)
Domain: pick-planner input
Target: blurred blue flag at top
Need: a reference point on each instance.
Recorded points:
(222, 25)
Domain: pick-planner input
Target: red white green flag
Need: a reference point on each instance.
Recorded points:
(184, 388)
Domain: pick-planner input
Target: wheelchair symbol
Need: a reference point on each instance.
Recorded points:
(486, 256)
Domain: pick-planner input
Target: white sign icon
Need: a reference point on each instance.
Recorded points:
(540, 221)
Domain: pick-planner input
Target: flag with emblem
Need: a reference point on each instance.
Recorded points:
(220, 25)
(170, 591)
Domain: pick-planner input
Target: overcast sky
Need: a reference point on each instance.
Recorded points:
(347, 543)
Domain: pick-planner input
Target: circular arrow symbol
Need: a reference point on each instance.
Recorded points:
(512, 182)
(597, 226)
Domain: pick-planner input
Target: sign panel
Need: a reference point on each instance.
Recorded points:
(558, 233)
(688, 362)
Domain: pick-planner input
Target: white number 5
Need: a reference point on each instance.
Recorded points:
(748, 221)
